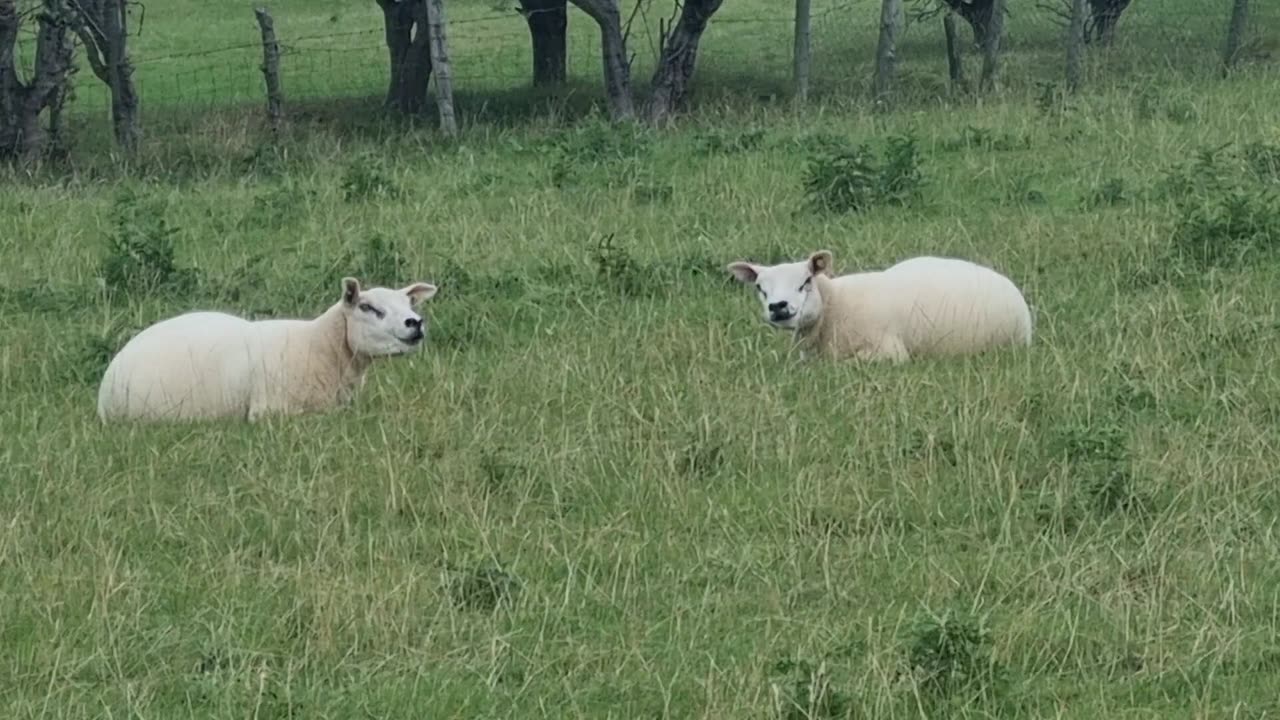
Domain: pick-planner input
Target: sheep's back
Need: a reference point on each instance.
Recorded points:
(943, 306)
(195, 365)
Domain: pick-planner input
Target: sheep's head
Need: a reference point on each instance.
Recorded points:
(382, 321)
(790, 298)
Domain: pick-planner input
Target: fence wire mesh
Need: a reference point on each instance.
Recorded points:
(747, 47)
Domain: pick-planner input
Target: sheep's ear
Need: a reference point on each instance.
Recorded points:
(820, 263)
(350, 290)
(744, 271)
(418, 292)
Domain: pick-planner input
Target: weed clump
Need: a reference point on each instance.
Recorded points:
(1150, 104)
(854, 179)
(380, 262)
(598, 146)
(949, 654)
(618, 270)
(365, 179)
(985, 139)
(1225, 210)
(1098, 454)
(804, 691)
(1109, 193)
(141, 258)
(726, 143)
(276, 208)
(483, 588)
(1052, 100)
(703, 453)
(94, 352)
(1264, 160)
(1224, 229)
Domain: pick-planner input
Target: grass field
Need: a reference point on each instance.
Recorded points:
(605, 489)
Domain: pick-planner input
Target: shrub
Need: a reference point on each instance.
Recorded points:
(1223, 229)
(1264, 160)
(852, 179)
(950, 655)
(597, 145)
(140, 256)
(1222, 212)
(365, 178)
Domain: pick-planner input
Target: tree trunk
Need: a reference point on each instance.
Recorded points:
(1075, 44)
(21, 133)
(679, 54)
(548, 31)
(405, 24)
(124, 97)
(891, 19)
(55, 143)
(955, 60)
(10, 87)
(803, 51)
(613, 51)
(1235, 33)
(102, 26)
(991, 48)
(1105, 14)
(436, 24)
(978, 14)
(271, 70)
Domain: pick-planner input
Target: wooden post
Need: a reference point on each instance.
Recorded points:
(1235, 34)
(887, 49)
(955, 59)
(803, 51)
(440, 66)
(1075, 44)
(124, 96)
(991, 48)
(271, 70)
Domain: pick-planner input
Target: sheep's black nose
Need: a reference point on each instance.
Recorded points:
(413, 323)
(777, 307)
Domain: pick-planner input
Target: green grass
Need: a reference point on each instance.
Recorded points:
(604, 489)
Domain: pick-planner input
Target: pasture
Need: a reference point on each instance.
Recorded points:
(604, 488)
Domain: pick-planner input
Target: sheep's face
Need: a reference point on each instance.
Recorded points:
(381, 321)
(787, 292)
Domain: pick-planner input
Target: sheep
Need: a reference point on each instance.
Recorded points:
(206, 365)
(924, 306)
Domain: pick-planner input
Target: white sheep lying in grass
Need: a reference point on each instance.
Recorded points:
(918, 307)
(204, 365)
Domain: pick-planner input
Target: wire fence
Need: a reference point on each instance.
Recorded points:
(745, 48)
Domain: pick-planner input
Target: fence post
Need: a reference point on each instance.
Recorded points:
(271, 70)
(991, 47)
(1075, 44)
(803, 54)
(124, 95)
(440, 66)
(1235, 34)
(887, 49)
(955, 61)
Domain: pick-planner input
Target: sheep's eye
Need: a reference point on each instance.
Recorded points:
(366, 307)
(759, 289)
(808, 281)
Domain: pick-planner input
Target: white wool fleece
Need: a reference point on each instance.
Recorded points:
(924, 306)
(204, 365)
